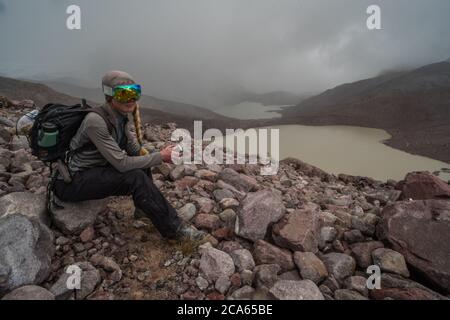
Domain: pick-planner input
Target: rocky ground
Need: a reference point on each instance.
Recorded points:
(301, 234)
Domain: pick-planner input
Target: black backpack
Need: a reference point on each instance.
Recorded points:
(55, 126)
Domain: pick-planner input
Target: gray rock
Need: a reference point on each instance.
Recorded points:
(310, 266)
(5, 157)
(229, 203)
(299, 230)
(247, 277)
(205, 205)
(365, 224)
(26, 250)
(290, 275)
(238, 180)
(228, 216)
(206, 175)
(390, 261)
(6, 122)
(266, 253)
(383, 196)
(266, 275)
(106, 263)
(220, 194)
(339, 265)
(21, 162)
(353, 236)
(74, 217)
(223, 185)
(202, 283)
(258, 210)
(215, 263)
(187, 212)
(222, 284)
(90, 278)
(178, 172)
(296, 290)
(328, 234)
(345, 294)
(243, 259)
(19, 142)
(327, 219)
(28, 204)
(362, 252)
(229, 246)
(30, 292)
(244, 293)
(357, 283)
(5, 136)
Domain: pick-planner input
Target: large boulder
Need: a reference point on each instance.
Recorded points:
(258, 211)
(31, 292)
(215, 263)
(296, 290)
(299, 230)
(26, 250)
(28, 204)
(398, 288)
(74, 217)
(423, 186)
(420, 231)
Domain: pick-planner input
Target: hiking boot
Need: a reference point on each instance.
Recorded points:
(188, 232)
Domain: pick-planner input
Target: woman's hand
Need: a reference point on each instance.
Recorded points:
(166, 153)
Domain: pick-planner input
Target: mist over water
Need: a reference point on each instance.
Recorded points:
(250, 110)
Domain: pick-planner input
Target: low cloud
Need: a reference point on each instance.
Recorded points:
(195, 51)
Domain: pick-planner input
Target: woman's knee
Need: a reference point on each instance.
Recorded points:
(137, 177)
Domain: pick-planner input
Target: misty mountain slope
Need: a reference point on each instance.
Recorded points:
(413, 106)
(177, 108)
(41, 94)
(395, 99)
(273, 98)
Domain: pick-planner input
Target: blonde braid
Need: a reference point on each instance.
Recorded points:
(137, 126)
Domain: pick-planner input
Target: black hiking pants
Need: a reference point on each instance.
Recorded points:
(102, 182)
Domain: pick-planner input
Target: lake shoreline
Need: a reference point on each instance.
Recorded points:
(421, 142)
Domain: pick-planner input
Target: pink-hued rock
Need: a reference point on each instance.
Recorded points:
(422, 186)
(258, 210)
(420, 231)
(299, 231)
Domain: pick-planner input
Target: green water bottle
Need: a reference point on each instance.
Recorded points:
(48, 135)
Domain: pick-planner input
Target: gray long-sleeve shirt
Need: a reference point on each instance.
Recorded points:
(94, 129)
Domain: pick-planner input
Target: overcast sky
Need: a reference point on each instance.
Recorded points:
(192, 50)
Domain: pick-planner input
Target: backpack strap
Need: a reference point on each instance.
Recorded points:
(90, 146)
(103, 113)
